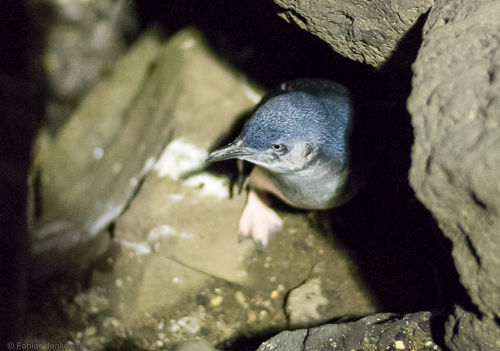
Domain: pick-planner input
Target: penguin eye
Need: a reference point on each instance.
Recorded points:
(278, 147)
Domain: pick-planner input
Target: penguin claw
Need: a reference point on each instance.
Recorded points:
(242, 237)
(259, 246)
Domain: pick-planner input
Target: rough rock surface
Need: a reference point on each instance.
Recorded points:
(82, 40)
(377, 332)
(364, 31)
(455, 106)
(86, 172)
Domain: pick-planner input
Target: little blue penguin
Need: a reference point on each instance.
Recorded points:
(299, 139)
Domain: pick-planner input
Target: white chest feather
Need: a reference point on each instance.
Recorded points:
(313, 188)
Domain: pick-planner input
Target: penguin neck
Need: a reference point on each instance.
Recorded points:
(314, 187)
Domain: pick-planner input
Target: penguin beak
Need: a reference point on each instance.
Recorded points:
(233, 150)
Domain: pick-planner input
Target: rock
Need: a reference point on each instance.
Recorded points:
(325, 296)
(456, 157)
(177, 219)
(364, 31)
(83, 40)
(303, 302)
(465, 331)
(378, 332)
(89, 172)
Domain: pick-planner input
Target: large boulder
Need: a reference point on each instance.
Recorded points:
(455, 104)
(364, 31)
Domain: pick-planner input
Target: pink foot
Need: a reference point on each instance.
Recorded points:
(259, 220)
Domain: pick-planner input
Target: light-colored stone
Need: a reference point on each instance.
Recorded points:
(81, 194)
(198, 227)
(303, 303)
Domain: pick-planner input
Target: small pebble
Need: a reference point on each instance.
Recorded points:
(216, 300)
(90, 331)
(400, 345)
(98, 153)
(252, 316)
(263, 315)
(240, 298)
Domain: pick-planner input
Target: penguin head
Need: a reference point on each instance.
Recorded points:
(292, 131)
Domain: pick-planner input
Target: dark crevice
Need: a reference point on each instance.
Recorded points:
(22, 103)
(287, 296)
(36, 189)
(470, 246)
(491, 75)
(251, 37)
(111, 229)
(428, 164)
(294, 16)
(456, 327)
(304, 342)
(478, 201)
(247, 343)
